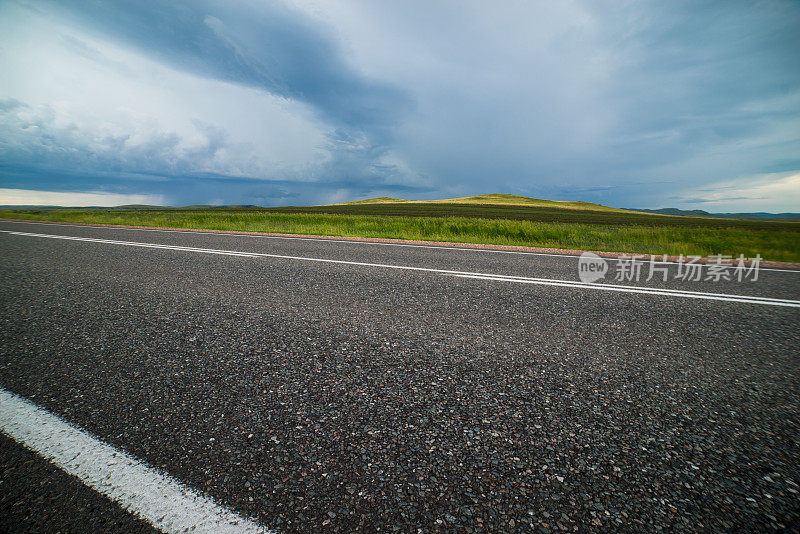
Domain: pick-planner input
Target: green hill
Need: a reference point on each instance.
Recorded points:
(378, 200)
(497, 199)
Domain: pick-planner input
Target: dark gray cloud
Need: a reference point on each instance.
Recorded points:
(265, 45)
(41, 154)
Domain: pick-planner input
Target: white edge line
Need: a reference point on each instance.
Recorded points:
(327, 240)
(464, 274)
(623, 289)
(159, 499)
(637, 289)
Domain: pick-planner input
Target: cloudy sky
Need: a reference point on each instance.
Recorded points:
(631, 104)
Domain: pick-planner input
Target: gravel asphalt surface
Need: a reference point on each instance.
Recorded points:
(36, 496)
(328, 397)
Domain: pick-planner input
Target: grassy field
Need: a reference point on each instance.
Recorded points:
(528, 225)
(534, 213)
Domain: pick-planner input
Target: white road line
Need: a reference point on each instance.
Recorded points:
(614, 287)
(326, 240)
(653, 291)
(464, 274)
(159, 499)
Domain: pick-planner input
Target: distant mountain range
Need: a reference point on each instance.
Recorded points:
(700, 213)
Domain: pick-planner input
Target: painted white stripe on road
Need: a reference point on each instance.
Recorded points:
(162, 501)
(329, 240)
(463, 274)
(651, 291)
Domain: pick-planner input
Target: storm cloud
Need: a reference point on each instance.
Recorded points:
(632, 105)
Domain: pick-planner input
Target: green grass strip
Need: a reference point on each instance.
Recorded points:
(776, 245)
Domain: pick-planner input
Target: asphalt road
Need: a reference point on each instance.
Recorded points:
(310, 395)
